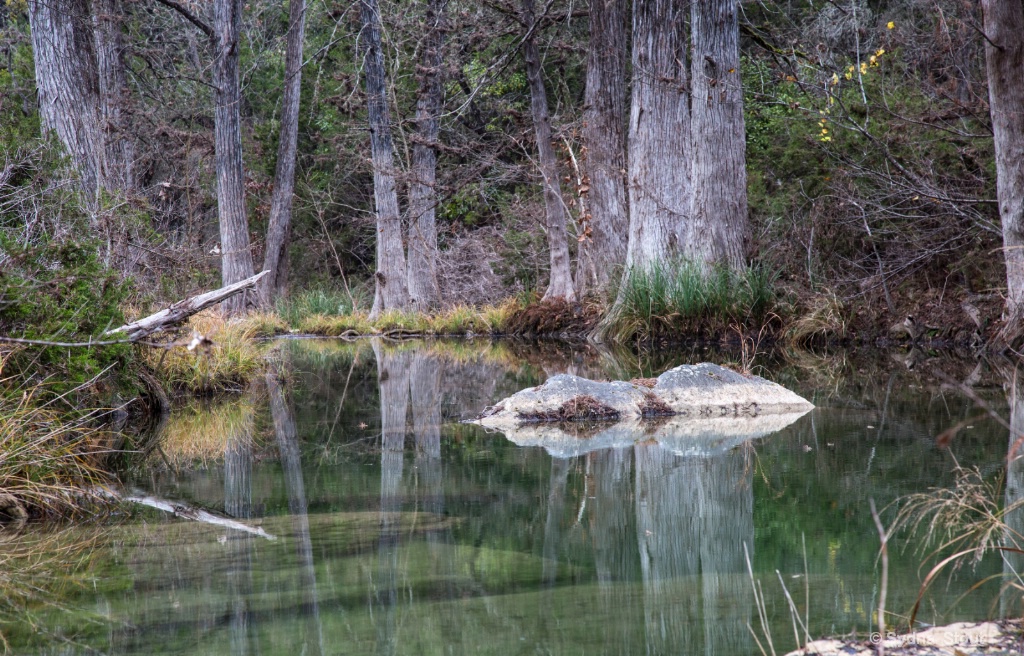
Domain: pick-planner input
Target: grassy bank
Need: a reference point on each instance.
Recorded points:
(51, 455)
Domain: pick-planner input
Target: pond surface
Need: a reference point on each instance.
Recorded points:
(399, 530)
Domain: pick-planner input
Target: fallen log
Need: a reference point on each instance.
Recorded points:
(183, 309)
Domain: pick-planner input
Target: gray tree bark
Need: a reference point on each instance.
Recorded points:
(718, 221)
(236, 258)
(423, 288)
(603, 250)
(279, 224)
(560, 284)
(391, 290)
(658, 170)
(1004, 57)
(659, 134)
(80, 77)
(66, 80)
(116, 163)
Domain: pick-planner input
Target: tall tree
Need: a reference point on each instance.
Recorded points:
(560, 284)
(423, 288)
(604, 248)
(718, 218)
(116, 162)
(65, 64)
(236, 258)
(80, 78)
(1004, 57)
(391, 290)
(659, 135)
(275, 259)
(658, 170)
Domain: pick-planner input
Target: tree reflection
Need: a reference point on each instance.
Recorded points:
(693, 516)
(1013, 563)
(238, 458)
(291, 464)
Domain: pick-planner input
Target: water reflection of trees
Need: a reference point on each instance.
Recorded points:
(460, 541)
(669, 527)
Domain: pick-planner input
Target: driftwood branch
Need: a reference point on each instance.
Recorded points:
(183, 309)
(185, 511)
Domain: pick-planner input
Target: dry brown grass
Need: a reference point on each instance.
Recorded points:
(228, 357)
(50, 456)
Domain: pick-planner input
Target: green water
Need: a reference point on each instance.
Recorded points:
(399, 530)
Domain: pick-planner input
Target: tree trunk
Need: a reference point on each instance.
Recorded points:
(66, 79)
(116, 171)
(604, 249)
(659, 135)
(391, 290)
(560, 283)
(1004, 56)
(718, 221)
(236, 258)
(423, 288)
(278, 227)
(659, 185)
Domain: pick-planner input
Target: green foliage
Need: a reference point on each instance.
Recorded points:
(59, 290)
(682, 295)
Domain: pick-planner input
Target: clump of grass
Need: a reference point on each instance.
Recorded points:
(821, 320)
(333, 326)
(50, 460)
(316, 302)
(198, 433)
(683, 295)
(966, 519)
(457, 320)
(224, 360)
(265, 324)
(35, 569)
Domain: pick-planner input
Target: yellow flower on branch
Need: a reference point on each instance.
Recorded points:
(890, 25)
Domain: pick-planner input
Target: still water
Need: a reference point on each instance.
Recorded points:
(396, 529)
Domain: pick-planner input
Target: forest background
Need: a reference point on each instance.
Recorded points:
(856, 183)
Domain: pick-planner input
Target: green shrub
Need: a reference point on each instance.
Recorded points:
(60, 290)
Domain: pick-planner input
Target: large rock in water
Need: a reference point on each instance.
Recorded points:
(691, 410)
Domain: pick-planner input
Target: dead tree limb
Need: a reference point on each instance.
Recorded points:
(183, 309)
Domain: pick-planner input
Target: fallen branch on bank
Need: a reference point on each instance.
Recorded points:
(178, 312)
(162, 320)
